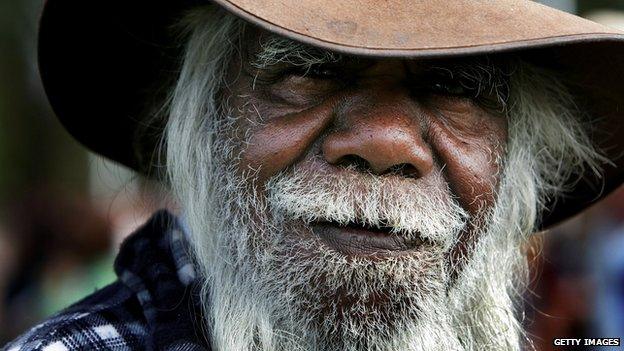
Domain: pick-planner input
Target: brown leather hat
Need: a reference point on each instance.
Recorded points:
(100, 60)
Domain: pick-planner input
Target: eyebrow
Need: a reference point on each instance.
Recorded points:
(279, 50)
(489, 74)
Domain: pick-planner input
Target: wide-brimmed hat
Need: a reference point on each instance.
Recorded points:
(100, 60)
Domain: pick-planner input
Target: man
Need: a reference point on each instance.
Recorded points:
(350, 176)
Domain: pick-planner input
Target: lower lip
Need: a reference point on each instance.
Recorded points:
(362, 242)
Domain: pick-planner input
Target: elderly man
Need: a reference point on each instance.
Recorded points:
(350, 176)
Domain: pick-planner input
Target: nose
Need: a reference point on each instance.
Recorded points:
(382, 136)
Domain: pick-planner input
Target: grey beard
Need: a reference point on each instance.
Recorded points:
(270, 288)
(296, 294)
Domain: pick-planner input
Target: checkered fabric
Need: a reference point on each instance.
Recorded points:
(152, 306)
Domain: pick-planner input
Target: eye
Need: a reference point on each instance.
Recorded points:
(452, 87)
(493, 98)
(485, 84)
(275, 75)
(317, 71)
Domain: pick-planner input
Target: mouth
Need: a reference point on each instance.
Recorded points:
(359, 239)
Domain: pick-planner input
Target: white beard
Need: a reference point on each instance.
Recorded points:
(270, 285)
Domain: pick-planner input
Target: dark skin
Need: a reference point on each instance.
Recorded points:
(389, 117)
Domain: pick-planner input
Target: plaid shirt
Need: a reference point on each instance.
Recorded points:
(153, 305)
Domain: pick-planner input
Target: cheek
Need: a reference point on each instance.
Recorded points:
(281, 141)
(473, 169)
(472, 160)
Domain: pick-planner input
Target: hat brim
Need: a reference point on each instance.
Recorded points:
(100, 61)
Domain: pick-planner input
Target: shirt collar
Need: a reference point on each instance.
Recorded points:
(156, 264)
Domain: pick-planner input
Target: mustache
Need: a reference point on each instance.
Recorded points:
(412, 208)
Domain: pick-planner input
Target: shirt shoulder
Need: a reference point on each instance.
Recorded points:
(109, 319)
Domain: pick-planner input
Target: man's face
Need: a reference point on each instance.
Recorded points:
(355, 188)
(435, 125)
(340, 203)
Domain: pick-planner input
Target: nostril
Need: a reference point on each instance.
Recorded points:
(359, 164)
(404, 170)
(354, 162)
